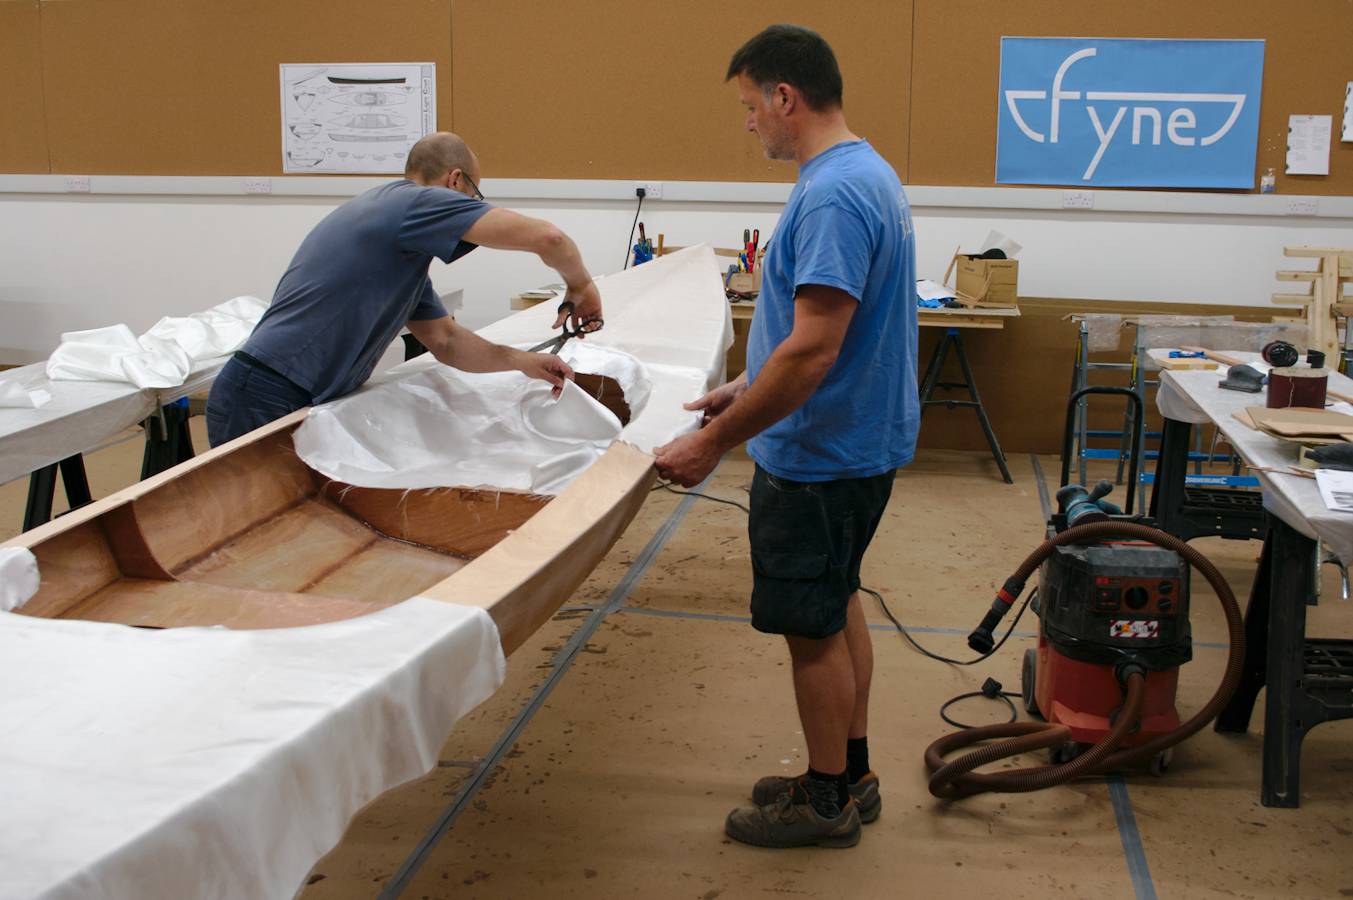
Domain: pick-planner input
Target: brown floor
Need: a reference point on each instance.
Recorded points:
(617, 783)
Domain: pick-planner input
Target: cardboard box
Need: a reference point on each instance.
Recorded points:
(989, 282)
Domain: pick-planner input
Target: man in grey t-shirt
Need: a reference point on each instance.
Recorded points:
(362, 274)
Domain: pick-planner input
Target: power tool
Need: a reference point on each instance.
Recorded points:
(1113, 605)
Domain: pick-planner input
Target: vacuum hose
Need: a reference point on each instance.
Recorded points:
(956, 779)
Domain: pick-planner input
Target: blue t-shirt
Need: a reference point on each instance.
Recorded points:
(356, 279)
(847, 226)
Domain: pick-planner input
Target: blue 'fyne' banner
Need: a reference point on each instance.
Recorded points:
(1110, 112)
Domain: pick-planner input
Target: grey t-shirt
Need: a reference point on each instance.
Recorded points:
(356, 279)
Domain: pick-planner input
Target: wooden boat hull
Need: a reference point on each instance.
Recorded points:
(247, 536)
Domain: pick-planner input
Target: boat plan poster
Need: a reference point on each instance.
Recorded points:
(355, 118)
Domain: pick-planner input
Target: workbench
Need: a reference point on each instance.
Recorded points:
(83, 416)
(1308, 680)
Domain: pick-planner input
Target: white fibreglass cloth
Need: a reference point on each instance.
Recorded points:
(423, 425)
(1188, 396)
(163, 357)
(204, 762)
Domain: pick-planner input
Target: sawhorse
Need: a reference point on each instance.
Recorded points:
(953, 338)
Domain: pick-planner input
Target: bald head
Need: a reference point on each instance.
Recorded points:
(436, 155)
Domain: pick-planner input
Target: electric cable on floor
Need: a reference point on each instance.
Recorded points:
(665, 486)
(990, 688)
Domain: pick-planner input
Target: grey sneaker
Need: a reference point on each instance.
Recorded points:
(864, 792)
(785, 823)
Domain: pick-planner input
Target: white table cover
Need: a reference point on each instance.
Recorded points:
(1195, 397)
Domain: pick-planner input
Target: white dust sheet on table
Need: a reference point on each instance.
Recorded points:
(1196, 397)
(204, 762)
(425, 425)
(103, 381)
(163, 357)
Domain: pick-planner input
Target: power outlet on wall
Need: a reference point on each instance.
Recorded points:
(652, 189)
(1303, 206)
(1078, 199)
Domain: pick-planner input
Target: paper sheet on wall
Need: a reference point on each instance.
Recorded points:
(355, 117)
(1347, 134)
(1308, 145)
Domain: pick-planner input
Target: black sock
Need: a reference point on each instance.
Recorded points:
(857, 758)
(827, 793)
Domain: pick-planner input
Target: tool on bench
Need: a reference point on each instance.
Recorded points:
(586, 326)
(1113, 608)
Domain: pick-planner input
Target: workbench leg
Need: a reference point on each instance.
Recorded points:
(1167, 492)
(167, 447)
(932, 371)
(42, 490)
(981, 411)
(1286, 714)
(75, 481)
(1235, 716)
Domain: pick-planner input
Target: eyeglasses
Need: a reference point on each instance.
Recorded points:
(473, 187)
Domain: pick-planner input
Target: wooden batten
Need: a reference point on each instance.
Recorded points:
(147, 603)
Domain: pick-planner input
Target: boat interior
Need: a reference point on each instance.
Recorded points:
(253, 538)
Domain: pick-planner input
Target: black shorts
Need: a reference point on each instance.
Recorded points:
(808, 539)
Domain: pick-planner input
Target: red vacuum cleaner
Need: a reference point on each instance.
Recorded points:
(1113, 609)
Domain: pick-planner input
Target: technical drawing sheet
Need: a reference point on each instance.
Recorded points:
(355, 118)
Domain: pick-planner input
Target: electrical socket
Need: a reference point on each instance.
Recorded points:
(77, 184)
(1078, 199)
(652, 189)
(258, 185)
(1303, 206)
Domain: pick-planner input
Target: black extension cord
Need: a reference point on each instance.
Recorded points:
(991, 688)
(640, 193)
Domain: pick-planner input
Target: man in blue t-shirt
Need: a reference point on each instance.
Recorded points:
(829, 409)
(362, 274)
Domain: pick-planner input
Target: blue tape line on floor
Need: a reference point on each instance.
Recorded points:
(562, 661)
(1133, 850)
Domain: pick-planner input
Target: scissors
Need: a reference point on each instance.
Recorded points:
(555, 344)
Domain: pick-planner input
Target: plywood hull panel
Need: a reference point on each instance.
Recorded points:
(247, 536)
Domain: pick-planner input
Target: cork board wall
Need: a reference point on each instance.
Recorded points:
(954, 91)
(190, 87)
(608, 89)
(23, 128)
(597, 89)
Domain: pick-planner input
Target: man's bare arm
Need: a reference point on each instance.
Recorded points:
(454, 345)
(785, 382)
(795, 368)
(503, 229)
